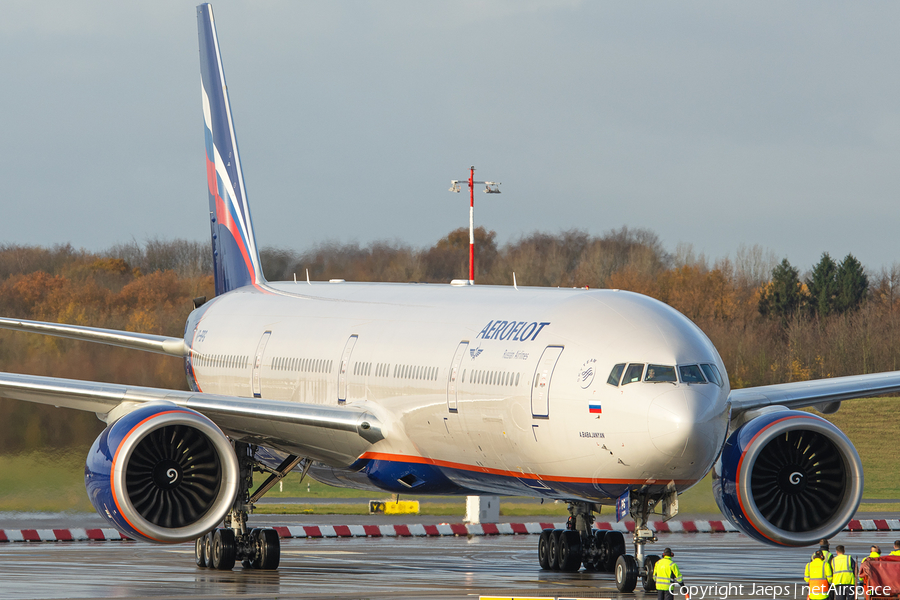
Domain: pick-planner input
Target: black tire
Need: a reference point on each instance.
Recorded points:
(598, 562)
(614, 547)
(544, 549)
(569, 551)
(647, 579)
(626, 573)
(268, 549)
(223, 550)
(554, 549)
(207, 548)
(200, 551)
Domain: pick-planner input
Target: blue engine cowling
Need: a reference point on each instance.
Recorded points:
(162, 473)
(788, 478)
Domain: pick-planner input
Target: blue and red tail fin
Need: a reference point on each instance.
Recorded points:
(235, 256)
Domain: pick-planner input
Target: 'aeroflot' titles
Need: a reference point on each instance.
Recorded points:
(521, 331)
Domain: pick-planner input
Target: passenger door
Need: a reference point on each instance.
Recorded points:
(540, 387)
(345, 365)
(257, 364)
(453, 378)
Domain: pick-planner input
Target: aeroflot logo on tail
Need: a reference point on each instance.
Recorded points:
(521, 331)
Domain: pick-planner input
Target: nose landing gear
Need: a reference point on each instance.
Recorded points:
(631, 568)
(256, 548)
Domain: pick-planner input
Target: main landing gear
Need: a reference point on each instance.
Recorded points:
(604, 551)
(255, 548)
(579, 544)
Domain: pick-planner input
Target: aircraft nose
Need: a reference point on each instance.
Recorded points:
(685, 420)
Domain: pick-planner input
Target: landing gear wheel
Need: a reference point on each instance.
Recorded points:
(268, 550)
(544, 549)
(598, 562)
(647, 579)
(554, 549)
(223, 550)
(614, 547)
(569, 551)
(626, 573)
(200, 551)
(207, 549)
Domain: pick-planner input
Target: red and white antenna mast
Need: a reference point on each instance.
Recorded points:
(490, 187)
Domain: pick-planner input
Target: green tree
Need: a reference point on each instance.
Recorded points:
(823, 287)
(783, 296)
(852, 284)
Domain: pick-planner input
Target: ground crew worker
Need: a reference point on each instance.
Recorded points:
(665, 574)
(874, 552)
(823, 548)
(818, 576)
(844, 580)
(896, 551)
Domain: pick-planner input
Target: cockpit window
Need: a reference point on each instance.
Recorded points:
(690, 374)
(616, 374)
(660, 373)
(712, 373)
(633, 373)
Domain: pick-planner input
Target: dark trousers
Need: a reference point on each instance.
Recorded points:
(664, 595)
(843, 592)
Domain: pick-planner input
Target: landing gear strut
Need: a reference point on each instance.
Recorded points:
(255, 548)
(631, 568)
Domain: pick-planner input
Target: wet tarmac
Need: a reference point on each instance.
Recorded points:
(446, 568)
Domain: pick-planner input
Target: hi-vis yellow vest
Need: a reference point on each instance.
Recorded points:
(666, 573)
(842, 569)
(818, 575)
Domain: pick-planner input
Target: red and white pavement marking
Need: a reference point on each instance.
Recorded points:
(450, 529)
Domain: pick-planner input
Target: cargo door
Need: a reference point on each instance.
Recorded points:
(540, 387)
(345, 365)
(453, 378)
(257, 364)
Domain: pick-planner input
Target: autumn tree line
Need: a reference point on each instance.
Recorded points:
(771, 321)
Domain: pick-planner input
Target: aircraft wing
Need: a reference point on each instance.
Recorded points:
(331, 434)
(160, 344)
(817, 392)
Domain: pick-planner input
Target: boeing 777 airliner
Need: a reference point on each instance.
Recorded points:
(589, 396)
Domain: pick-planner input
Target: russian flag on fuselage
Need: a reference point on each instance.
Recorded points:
(594, 407)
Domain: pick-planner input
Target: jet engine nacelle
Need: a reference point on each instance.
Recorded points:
(788, 478)
(163, 474)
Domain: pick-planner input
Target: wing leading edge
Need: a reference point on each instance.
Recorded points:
(334, 435)
(817, 393)
(147, 342)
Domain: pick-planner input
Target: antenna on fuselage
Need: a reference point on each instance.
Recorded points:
(514, 280)
(307, 277)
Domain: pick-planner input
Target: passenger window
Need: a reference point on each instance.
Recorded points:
(712, 373)
(616, 374)
(691, 374)
(660, 373)
(633, 373)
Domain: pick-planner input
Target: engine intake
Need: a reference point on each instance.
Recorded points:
(788, 478)
(163, 474)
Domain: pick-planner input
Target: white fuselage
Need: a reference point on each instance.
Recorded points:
(486, 383)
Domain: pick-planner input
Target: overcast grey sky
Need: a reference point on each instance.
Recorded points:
(712, 123)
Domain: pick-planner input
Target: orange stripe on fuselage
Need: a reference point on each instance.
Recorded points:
(502, 472)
